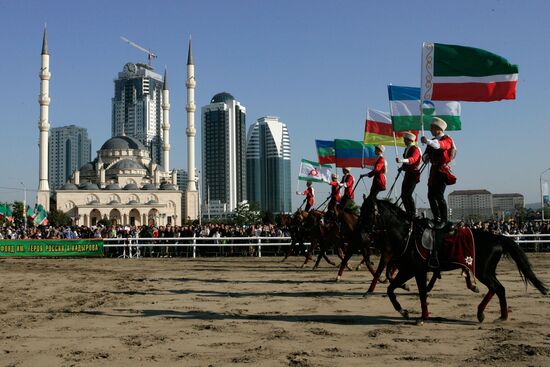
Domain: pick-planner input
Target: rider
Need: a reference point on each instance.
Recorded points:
(439, 153)
(411, 161)
(347, 183)
(378, 172)
(309, 194)
(334, 193)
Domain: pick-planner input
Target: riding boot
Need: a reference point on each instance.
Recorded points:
(433, 261)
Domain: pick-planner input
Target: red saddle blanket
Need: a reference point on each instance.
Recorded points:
(457, 248)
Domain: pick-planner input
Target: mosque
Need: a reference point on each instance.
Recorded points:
(122, 184)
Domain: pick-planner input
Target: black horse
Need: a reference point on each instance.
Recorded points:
(386, 221)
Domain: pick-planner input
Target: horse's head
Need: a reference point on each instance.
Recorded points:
(381, 215)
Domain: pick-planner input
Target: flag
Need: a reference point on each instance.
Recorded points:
(6, 212)
(451, 72)
(378, 129)
(41, 217)
(325, 151)
(313, 171)
(405, 110)
(351, 153)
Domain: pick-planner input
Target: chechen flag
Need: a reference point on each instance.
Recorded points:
(378, 129)
(459, 73)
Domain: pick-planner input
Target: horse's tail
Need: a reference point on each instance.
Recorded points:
(525, 269)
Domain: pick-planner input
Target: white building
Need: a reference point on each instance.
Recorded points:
(470, 205)
(506, 205)
(268, 165)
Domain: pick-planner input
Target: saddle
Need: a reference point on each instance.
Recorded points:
(457, 247)
(429, 232)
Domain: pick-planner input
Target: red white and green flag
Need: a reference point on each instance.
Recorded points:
(378, 129)
(314, 171)
(460, 73)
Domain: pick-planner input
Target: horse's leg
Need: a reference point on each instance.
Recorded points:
(308, 253)
(421, 278)
(343, 264)
(366, 260)
(327, 259)
(399, 280)
(435, 275)
(469, 284)
(384, 259)
(290, 249)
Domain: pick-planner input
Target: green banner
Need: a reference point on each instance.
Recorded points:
(55, 248)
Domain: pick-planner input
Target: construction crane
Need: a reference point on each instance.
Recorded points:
(150, 55)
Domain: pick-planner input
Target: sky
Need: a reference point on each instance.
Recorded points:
(316, 64)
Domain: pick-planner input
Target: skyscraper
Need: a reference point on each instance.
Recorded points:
(69, 149)
(268, 165)
(223, 150)
(137, 107)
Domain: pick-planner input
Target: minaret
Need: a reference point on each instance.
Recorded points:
(43, 195)
(165, 124)
(192, 195)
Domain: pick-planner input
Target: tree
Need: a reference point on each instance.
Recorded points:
(59, 218)
(246, 213)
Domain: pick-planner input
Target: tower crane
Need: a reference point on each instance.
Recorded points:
(150, 55)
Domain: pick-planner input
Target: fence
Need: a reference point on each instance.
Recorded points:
(252, 246)
(190, 246)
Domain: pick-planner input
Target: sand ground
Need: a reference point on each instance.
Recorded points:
(254, 311)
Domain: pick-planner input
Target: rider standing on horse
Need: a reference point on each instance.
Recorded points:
(334, 193)
(309, 194)
(440, 151)
(347, 183)
(411, 161)
(378, 173)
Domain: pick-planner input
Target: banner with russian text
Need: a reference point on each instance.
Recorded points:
(51, 248)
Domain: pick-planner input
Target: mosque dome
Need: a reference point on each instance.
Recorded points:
(131, 186)
(69, 186)
(88, 186)
(167, 186)
(222, 97)
(88, 167)
(113, 186)
(149, 186)
(126, 164)
(123, 142)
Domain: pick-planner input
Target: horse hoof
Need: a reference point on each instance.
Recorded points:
(357, 268)
(475, 289)
(404, 313)
(419, 322)
(480, 317)
(337, 279)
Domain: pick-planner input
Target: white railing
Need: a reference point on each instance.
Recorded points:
(537, 240)
(132, 247)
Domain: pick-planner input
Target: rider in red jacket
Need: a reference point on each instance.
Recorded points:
(378, 173)
(411, 160)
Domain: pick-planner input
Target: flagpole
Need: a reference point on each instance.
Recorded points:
(393, 131)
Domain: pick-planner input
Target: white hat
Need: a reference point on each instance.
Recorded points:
(346, 169)
(440, 123)
(409, 135)
(334, 176)
(380, 147)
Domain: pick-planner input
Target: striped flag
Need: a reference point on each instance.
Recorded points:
(313, 171)
(405, 110)
(325, 151)
(351, 153)
(451, 72)
(378, 129)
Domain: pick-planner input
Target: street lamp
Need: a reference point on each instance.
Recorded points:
(541, 194)
(24, 205)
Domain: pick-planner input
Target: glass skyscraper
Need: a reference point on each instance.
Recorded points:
(137, 107)
(69, 148)
(268, 165)
(223, 135)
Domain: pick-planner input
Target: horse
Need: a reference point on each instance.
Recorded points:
(294, 224)
(386, 220)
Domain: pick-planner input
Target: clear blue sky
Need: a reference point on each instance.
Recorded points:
(316, 64)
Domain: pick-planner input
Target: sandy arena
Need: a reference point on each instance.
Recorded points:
(254, 311)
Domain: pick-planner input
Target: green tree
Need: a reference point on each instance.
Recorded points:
(17, 211)
(59, 218)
